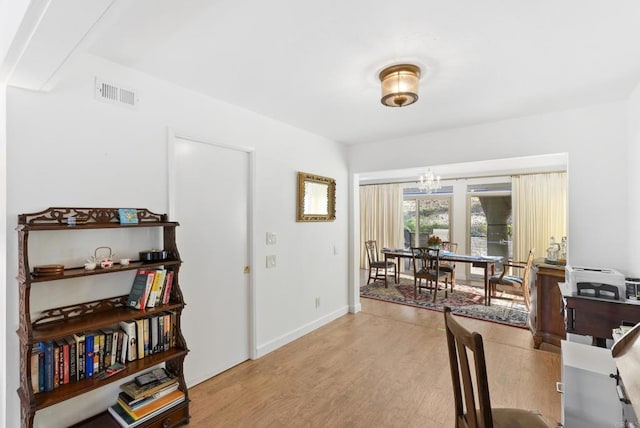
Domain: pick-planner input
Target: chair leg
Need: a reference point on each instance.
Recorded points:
(369, 279)
(453, 279)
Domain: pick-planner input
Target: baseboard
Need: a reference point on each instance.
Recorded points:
(355, 309)
(276, 343)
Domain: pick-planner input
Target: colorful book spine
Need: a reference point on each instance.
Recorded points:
(73, 359)
(108, 344)
(98, 351)
(129, 328)
(166, 295)
(166, 330)
(140, 337)
(35, 368)
(153, 328)
(81, 355)
(56, 365)
(89, 354)
(48, 366)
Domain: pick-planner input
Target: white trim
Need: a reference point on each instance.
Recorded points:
(354, 245)
(172, 135)
(299, 332)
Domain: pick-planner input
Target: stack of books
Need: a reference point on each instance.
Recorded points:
(145, 397)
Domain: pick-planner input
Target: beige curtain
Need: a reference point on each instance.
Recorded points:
(380, 217)
(540, 212)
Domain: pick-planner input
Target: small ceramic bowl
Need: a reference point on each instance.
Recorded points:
(125, 262)
(90, 266)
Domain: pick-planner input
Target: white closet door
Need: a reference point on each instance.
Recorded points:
(211, 204)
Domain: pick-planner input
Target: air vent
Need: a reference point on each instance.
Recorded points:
(115, 94)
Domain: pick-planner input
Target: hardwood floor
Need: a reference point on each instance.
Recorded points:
(386, 366)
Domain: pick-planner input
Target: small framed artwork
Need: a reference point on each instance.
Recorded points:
(128, 215)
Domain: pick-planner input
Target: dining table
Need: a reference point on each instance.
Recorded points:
(487, 263)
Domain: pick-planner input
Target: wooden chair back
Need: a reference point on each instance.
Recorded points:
(372, 251)
(461, 343)
(526, 291)
(426, 262)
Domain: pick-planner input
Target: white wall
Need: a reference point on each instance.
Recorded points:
(3, 253)
(596, 140)
(66, 149)
(633, 164)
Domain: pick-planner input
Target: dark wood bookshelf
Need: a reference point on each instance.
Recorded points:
(60, 322)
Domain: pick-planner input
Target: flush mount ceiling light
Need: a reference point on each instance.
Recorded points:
(400, 85)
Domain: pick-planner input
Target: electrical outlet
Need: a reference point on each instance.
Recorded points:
(271, 261)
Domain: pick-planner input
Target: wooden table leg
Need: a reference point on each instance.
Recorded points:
(386, 260)
(487, 291)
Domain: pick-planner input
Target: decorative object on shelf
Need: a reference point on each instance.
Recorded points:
(562, 257)
(316, 198)
(105, 261)
(399, 85)
(429, 183)
(128, 215)
(553, 251)
(90, 264)
(125, 262)
(153, 255)
(48, 270)
(434, 241)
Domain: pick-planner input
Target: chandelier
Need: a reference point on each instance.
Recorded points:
(429, 183)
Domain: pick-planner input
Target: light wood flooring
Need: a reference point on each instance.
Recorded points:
(386, 366)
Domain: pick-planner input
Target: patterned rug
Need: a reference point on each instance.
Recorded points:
(464, 300)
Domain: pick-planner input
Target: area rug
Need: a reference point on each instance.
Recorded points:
(464, 300)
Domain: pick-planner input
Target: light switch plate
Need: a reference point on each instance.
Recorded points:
(271, 238)
(271, 261)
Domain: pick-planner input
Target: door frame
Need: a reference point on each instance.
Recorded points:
(172, 135)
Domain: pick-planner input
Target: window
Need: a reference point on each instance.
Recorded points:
(425, 215)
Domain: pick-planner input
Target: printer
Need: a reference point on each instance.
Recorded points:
(596, 282)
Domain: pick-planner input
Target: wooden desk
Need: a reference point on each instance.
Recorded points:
(546, 310)
(485, 262)
(597, 317)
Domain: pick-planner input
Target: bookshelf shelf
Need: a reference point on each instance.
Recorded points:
(80, 271)
(60, 322)
(64, 392)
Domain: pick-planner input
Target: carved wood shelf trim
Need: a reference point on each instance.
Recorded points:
(58, 216)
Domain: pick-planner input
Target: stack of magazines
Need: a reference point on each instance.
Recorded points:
(145, 397)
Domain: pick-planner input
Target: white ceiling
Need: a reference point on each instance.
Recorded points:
(314, 64)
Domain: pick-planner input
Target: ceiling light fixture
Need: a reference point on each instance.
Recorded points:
(400, 85)
(429, 183)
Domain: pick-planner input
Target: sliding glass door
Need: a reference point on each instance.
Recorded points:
(490, 222)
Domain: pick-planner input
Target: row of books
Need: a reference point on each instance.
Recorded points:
(146, 396)
(100, 353)
(150, 288)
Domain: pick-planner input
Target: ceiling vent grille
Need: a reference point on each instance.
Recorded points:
(115, 94)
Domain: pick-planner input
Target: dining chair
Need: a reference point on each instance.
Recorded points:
(426, 265)
(376, 265)
(462, 343)
(447, 266)
(519, 283)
